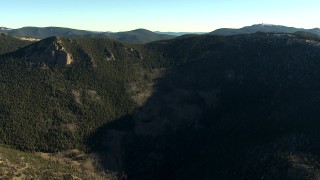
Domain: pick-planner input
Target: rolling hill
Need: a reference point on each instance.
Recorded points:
(193, 107)
(137, 36)
(263, 28)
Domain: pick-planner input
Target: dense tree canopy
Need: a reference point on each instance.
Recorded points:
(214, 107)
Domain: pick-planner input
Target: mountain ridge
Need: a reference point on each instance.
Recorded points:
(138, 36)
(141, 35)
(262, 28)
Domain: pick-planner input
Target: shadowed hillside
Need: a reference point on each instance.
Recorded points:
(239, 107)
(194, 107)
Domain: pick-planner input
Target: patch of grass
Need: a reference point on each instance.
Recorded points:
(17, 164)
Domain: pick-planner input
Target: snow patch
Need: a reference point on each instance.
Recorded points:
(28, 39)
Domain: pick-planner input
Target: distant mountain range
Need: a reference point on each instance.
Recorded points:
(4, 29)
(263, 28)
(138, 36)
(142, 36)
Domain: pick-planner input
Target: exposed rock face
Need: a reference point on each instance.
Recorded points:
(52, 52)
(109, 56)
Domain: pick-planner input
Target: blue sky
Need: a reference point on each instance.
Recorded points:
(162, 15)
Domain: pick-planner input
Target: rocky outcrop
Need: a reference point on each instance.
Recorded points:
(108, 55)
(49, 51)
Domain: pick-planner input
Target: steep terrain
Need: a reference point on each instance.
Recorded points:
(138, 36)
(48, 51)
(194, 107)
(238, 107)
(57, 91)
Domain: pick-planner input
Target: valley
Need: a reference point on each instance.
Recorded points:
(192, 107)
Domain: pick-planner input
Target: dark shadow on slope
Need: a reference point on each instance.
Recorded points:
(241, 113)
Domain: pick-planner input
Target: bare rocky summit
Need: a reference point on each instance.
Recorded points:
(54, 52)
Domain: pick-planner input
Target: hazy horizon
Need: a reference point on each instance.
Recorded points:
(156, 30)
(165, 16)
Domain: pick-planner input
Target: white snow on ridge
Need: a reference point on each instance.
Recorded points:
(4, 29)
(28, 39)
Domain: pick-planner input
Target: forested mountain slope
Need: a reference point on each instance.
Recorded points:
(48, 104)
(237, 107)
(9, 43)
(194, 107)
